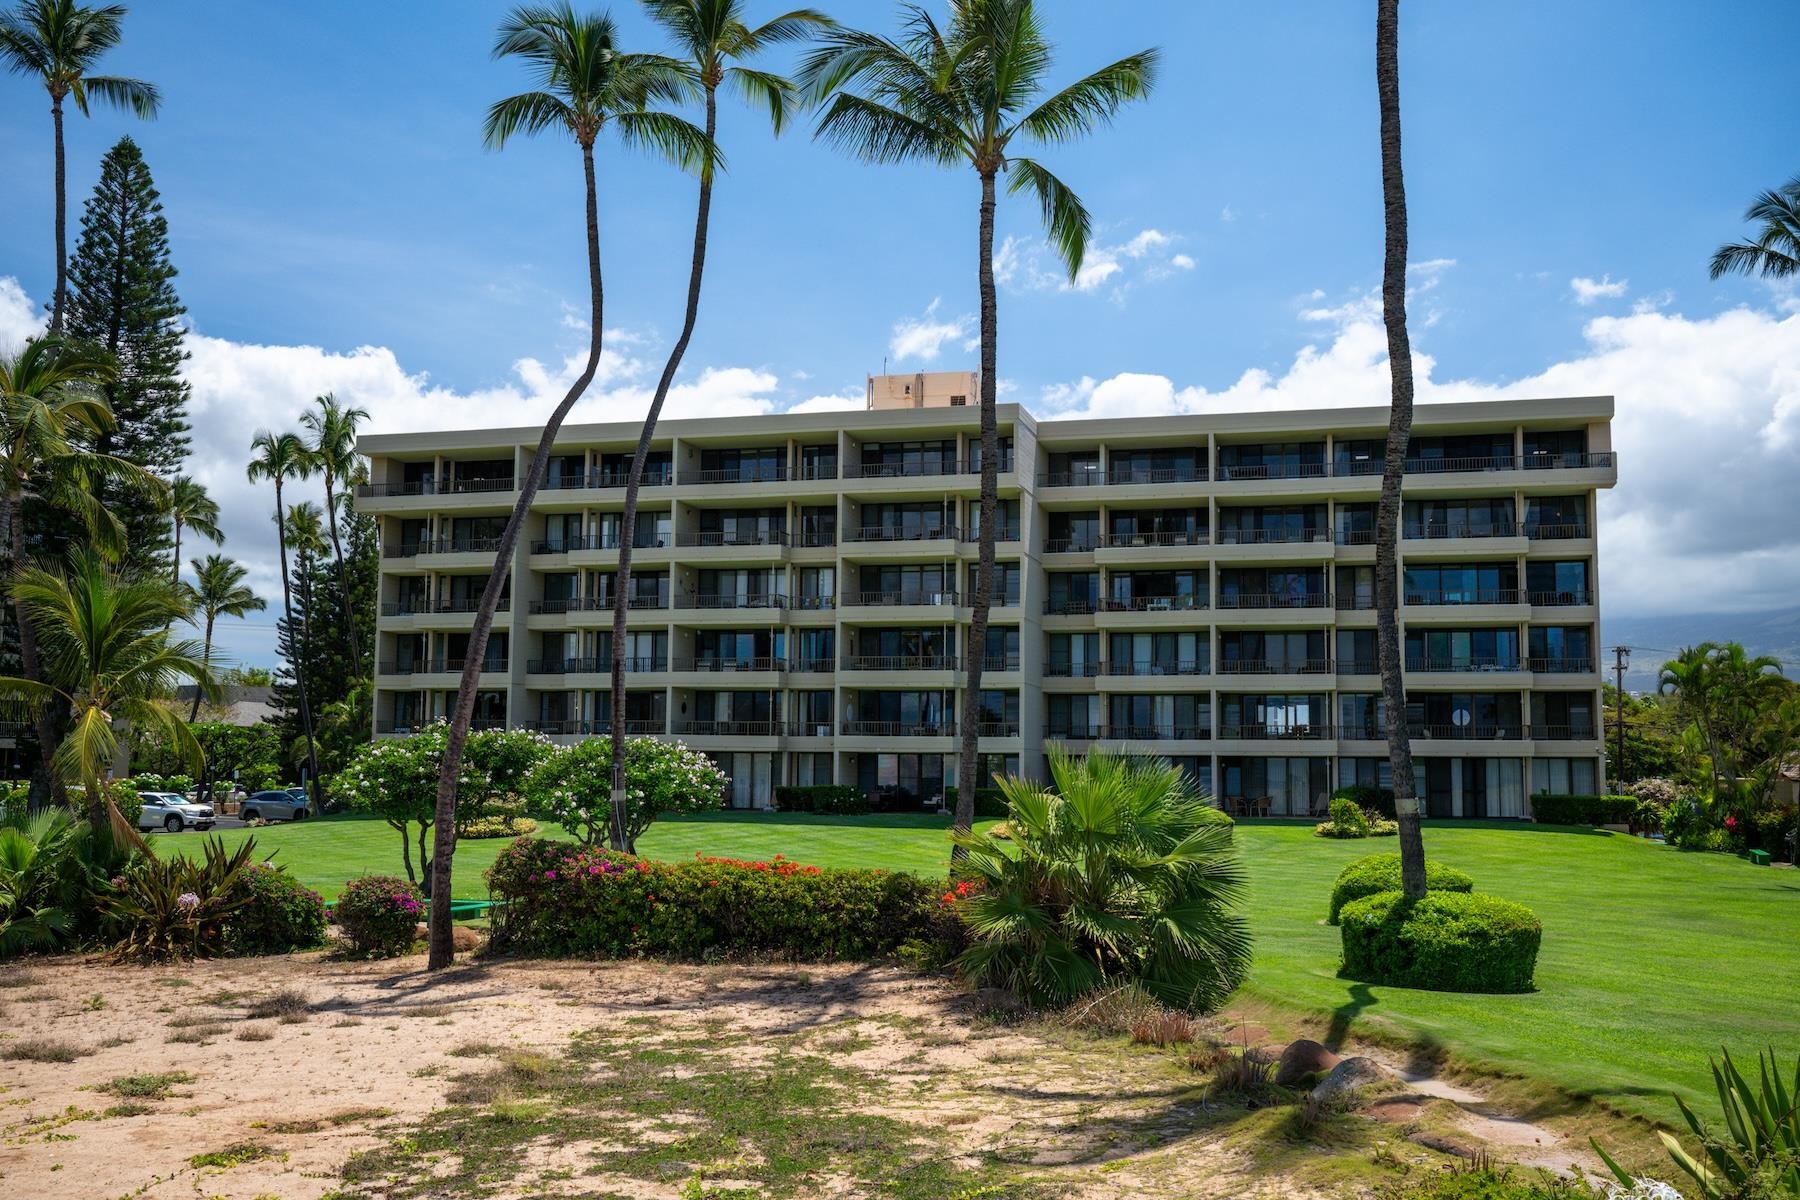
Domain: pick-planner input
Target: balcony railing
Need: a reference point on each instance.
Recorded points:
(901, 662)
(901, 597)
(572, 604)
(595, 541)
(812, 603)
(1263, 731)
(1187, 603)
(447, 545)
(730, 728)
(941, 728)
(1438, 533)
(1286, 470)
(1008, 533)
(906, 470)
(1454, 596)
(438, 666)
(752, 473)
(574, 726)
(1355, 537)
(1171, 666)
(817, 470)
(1264, 600)
(819, 729)
(1560, 599)
(1158, 733)
(1357, 666)
(1159, 537)
(1278, 666)
(1564, 733)
(466, 605)
(431, 487)
(816, 537)
(1354, 602)
(602, 477)
(1272, 537)
(1087, 478)
(1125, 476)
(1550, 531)
(1456, 665)
(1000, 662)
(813, 665)
(718, 537)
(1074, 733)
(996, 729)
(1558, 460)
(1474, 731)
(718, 665)
(1071, 545)
(1082, 607)
(712, 600)
(406, 726)
(592, 665)
(890, 533)
(1072, 670)
(1560, 666)
(1444, 466)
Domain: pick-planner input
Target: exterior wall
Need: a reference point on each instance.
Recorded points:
(432, 493)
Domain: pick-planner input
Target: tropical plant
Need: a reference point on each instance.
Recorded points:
(1122, 875)
(379, 915)
(397, 780)
(1757, 1155)
(279, 914)
(218, 591)
(712, 36)
(1729, 698)
(963, 95)
(279, 457)
(585, 83)
(35, 910)
(1775, 254)
(573, 786)
(1388, 650)
(306, 538)
(59, 42)
(106, 658)
(191, 508)
(179, 908)
(333, 449)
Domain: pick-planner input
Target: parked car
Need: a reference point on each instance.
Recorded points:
(173, 812)
(280, 805)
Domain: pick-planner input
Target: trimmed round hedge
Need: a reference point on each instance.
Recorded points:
(1381, 873)
(1443, 941)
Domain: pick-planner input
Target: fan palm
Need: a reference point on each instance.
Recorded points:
(1775, 254)
(585, 83)
(1399, 436)
(59, 41)
(191, 508)
(1121, 876)
(108, 662)
(34, 852)
(964, 95)
(218, 591)
(279, 457)
(333, 448)
(712, 36)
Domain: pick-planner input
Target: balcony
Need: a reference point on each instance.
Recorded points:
(1070, 545)
(406, 726)
(1174, 666)
(1009, 533)
(750, 473)
(942, 728)
(1126, 476)
(717, 665)
(1072, 670)
(1358, 666)
(712, 538)
(1267, 600)
(812, 665)
(430, 487)
(1000, 662)
(601, 477)
(420, 608)
(591, 665)
(594, 541)
(1268, 666)
(576, 726)
(596, 604)
(449, 545)
(1263, 731)
(916, 469)
(901, 597)
(1074, 733)
(1272, 537)
(1565, 733)
(816, 537)
(1462, 665)
(1455, 596)
(1560, 599)
(1316, 470)
(1161, 537)
(708, 600)
(1158, 733)
(1475, 731)
(1560, 666)
(1056, 479)
(1071, 608)
(1354, 537)
(1188, 603)
(889, 533)
(730, 728)
(1438, 533)
(997, 729)
(900, 662)
(813, 603)
(1552, 531)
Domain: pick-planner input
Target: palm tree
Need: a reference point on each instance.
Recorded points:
(106, 660)
(712, 35)
(962, 96)
(1399, 435)
(1775, 254)
(334, 452)
(585, 83)
(1725, 694)
(1119, 876)
(218, 591)
(279, 457)
(191, 508)
(59, 42)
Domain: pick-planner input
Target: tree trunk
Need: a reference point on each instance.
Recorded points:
(46, 787)
(618, 837)
(1387, 520)
(443, 947)
(59, 299)
(175, 575)
(337, 552)
(406, 854)
(287, 608)
(205, 661)
(975, 653)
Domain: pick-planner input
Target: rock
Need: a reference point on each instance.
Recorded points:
(1302, 1058)
(1351, 1075)
(465, 939)
(421, 931)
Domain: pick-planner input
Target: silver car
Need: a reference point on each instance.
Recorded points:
(274, 806)
(173, 812)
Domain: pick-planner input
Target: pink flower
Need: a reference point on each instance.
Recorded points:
(549, 874)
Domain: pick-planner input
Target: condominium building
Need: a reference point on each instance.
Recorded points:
(1200, 586)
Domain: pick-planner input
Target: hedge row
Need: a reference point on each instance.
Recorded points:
(1445, 941)
(1549, 809)
(1381, 873)
(833, 799)
(565, 901)
(989, 802)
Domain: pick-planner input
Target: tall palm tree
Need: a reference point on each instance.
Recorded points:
(585, 83)
(191, 508)
(106, 659)
(956, 96)
(59, 41)
(1399, 435)
(218, 591)
(1775, 254)
(334, 452)
(1724, 693)
(712, 36)
(279, 457)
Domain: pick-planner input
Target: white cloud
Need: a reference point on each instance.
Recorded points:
(17, 319)
(1228, 214)
(1182, 262)
(1589, 290)
(1114, 267)
(920, 338)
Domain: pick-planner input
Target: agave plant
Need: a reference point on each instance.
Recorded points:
(1758, 1153)
(1123, 875)
(176, 908)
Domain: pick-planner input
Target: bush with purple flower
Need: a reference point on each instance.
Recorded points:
(379, 915)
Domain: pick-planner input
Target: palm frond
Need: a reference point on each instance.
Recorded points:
(1085, 105)
(672, 138)
(879, 134)
(528, 112)
(1065, 217)
(133, 95)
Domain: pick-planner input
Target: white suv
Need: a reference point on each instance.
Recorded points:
(173, 812)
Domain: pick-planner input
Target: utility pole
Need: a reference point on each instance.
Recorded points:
(1620, 656)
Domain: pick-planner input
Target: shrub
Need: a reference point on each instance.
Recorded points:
(990, 802)
(1549, 809)
(832, 799)
(1444, 941)
(47, 880)
(569, 901)
(1381, 873)
(279, 914)
(1659, 791)
(1472, 1181)
(1371, 799)
(1122, 875)
(573, 786)
(1347, 820)
(497, 826)
(177, 908)
(379, 914)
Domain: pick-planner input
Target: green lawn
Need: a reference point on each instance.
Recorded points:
(1652, 958)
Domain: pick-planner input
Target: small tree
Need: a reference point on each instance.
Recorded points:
(397, 781)
(574, 786)
(501, 760)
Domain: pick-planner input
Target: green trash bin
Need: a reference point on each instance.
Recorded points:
(1759, 858)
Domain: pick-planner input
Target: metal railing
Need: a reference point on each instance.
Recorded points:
(1560, 599)
(1474, 731)
(1272, 537)
(900, 662)
(901, 597)
(1564, 733)
(906, 470)
(721, 665)
(1305, 470)
(712, 600)
(1008, 533)
(440, 666)
(446, 545)
(1265, 666)
(1355, 537)
(1264, 600)
(1454, 596)
(812, 603)
(1560, 666)
(1439, 533)
(1071, 608)
(1158, 733)
(921, 728)
(1071, 545)
(1176, 666)
(1549, 531)
(758, 473)
(1089, 478)
(1072, 670)
(1160, 537)
(816, 537)
(712, 538)
(1265, 732)
(812, 665)
(571, 726)
(889, 533)
(1187, 603)
(593, 665)
(1000, 662)
(730, 728)
(1126, 476)
(468, 605)
(996, 729)
(1457, 665)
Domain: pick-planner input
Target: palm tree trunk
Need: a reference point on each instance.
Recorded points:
(299, 663)
(175, 574)
(443, 948)
(206, 661)
(337, 552)
(617, 836)
(1400, 415)
(60, 298)
(975, 653)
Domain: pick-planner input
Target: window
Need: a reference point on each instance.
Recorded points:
(1462, 583)
(1563, 777)
(1072, 592)
(1557, 582)
(1488, 517)
(1071, 655)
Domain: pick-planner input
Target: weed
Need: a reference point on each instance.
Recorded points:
(254, 1033)
(117, 1039)
(346, 1022)
(44, 1050)
(197, 1035)
(129, 1109)
(1165, 1028)
(1237, 1074)
(93, 1003)
(145, 1087)
(314, 1124)
(236, 1156)
(286, 1002)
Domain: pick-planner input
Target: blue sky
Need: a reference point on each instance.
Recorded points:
(326, 187)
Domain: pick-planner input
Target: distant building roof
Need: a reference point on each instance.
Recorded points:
(242, 704)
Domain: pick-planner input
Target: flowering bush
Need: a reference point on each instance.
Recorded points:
(279, 915)
(380, 915)
(585, 901)
(573, 786)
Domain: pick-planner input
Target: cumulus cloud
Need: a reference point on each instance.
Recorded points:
(920, 338)
(1028, 264)
(1707, 428)
(17, 319)
(1589, 290)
